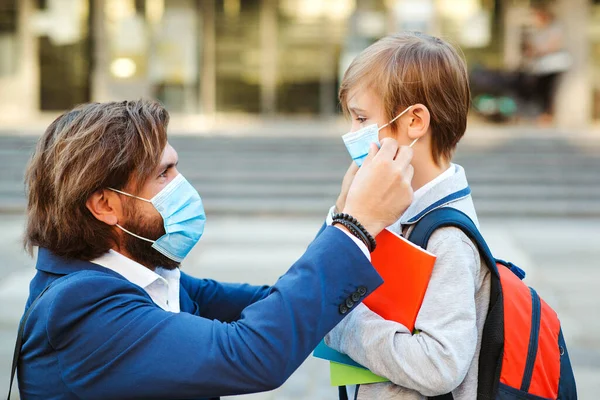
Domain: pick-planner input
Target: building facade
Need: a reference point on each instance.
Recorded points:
(257, 57)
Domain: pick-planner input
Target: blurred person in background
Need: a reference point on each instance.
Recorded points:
(110, 315)
(546, 57)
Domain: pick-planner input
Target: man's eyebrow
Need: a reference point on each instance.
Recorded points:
(166, 166)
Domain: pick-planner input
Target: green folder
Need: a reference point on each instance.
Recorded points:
(342, 375)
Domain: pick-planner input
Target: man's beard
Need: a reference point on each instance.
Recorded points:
(140, 250)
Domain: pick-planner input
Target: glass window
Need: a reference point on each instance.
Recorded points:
(64, 53)
(8, 37)
(153, 51)
(594, 57)
(174, 53)
(127, 43)
(238, 56)
(309, 38)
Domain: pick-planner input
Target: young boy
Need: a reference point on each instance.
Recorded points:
(425, 78)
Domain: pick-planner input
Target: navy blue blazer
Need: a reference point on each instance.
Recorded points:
(95, 335)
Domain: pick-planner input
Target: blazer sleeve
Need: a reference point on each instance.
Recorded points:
(322, 229)
(222, 301)
(112, 342)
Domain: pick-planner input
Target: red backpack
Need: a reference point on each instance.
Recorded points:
(523, 353)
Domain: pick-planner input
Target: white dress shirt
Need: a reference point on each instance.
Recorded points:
(162, 285)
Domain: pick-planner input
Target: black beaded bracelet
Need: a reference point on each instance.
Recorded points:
(356, 229)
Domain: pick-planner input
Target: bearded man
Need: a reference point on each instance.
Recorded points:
(110, 314)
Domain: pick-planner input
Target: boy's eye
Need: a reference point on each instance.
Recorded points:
(163, 174)
(361, 119)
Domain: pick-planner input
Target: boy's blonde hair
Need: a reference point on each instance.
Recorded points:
(410, 68)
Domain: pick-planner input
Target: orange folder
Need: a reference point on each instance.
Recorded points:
(406, 270)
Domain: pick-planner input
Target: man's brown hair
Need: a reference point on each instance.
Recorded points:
(410, 68)
(92, 147)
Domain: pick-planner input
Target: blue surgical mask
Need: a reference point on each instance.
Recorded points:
(182, 211)
(358, 142)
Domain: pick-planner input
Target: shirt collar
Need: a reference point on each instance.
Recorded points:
(420, 192)
(447, 188)
(133, 271)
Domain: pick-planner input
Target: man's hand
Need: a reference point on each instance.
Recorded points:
(381, 190)
(346, 183)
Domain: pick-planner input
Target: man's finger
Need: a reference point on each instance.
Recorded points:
(404, 157)
(389, 148)
(352, 169)
(373, 150)
(409, 172)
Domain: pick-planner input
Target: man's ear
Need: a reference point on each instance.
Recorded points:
(418, 121)
(105, 205)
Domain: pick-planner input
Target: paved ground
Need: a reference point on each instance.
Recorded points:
(560, 256)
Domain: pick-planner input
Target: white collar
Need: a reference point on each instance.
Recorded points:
(418, 194)
(161, 285)
(133, 271)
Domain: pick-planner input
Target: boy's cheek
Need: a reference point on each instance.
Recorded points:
(355, 126)
(387, 133)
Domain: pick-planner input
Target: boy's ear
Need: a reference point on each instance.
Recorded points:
(418, 121)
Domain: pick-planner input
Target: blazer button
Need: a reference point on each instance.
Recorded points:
(343, 309)
(362, 290)
(349, 303)
(355, 296)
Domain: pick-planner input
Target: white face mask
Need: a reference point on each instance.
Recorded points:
(358, 142)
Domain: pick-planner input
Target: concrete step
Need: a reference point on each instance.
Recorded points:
(311, 188)
(302, 175)
(485, 208)
(265, 205)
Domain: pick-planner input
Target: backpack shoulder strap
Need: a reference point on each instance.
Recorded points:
(492, 343)
(445, 217)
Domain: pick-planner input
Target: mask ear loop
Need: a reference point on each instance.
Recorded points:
(125, 230)
(130, 195)
(134, 235)
(395, 118)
